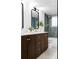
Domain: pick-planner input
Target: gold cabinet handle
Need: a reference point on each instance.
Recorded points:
(28, 39)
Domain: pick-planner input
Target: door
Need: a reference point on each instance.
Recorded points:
(46, 41)
(38, 45)
(42, 42)
(24, 46)
(31, 47)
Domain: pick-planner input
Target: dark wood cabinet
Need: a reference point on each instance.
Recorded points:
(33, 45)
(24, 46)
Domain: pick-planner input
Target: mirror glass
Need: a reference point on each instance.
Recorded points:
(34, 18)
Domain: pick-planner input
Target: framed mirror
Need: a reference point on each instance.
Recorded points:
(35, 18)
(22, 15)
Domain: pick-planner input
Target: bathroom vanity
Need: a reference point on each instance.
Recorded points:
(33, 45)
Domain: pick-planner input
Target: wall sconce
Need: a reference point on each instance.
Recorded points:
(35, 9)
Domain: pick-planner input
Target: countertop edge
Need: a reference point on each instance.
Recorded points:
(33, 33)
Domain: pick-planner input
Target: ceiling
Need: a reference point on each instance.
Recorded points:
(48, 6)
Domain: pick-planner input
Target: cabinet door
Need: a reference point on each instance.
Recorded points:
(42, 42)
(45, 41)
(38, 45)
(24, 46)
(31, 48)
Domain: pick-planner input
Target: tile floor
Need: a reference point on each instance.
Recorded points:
(51, 52)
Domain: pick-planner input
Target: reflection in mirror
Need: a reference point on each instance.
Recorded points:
(35, 18)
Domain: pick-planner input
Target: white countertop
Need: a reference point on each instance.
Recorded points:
(31, 33)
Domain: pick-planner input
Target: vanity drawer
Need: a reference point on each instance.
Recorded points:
(38, 52)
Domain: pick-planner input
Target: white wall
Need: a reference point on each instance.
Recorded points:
(28, 5)
(41, 18)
